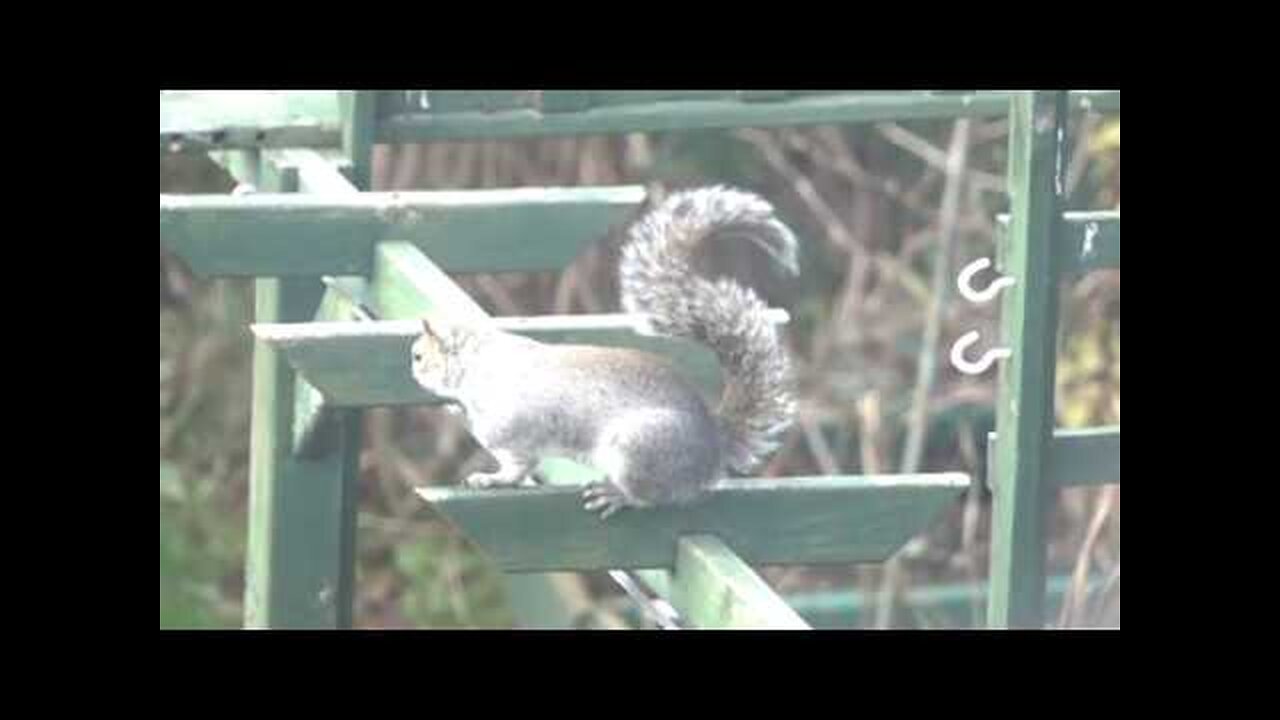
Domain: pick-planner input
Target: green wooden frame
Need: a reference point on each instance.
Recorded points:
(1029, 459)
(385, 259)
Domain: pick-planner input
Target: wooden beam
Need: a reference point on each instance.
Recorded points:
(713, 589)
(688, 111)
(300, 556)
(199, 121)
(1080, 457)
(1029, 321)
(364, 364)
(278, 235)
(837, 519)
(1088, 241)
(211, 120)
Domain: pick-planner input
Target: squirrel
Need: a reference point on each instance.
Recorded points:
(622, 411)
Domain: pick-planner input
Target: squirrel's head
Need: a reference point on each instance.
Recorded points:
(436, 362)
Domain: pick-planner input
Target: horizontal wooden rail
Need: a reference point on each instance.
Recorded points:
(361, 364)
(688, 114)
(953, 605)
(277, 235)
(1088, 456)
(1089, 241)
(209, 120)
(212, 120)
(834, 519)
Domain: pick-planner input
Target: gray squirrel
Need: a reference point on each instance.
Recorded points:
(625, 412)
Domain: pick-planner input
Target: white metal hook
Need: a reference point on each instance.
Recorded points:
(980, 296)
(959, 362)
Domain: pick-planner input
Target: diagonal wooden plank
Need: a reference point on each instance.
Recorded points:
(712, 588)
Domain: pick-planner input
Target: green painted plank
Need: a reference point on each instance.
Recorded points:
(1079, 457)
(658, 580)
(1088, 456)
(268, 235)
(702, 113)
(318, 171)
(196, 121)
(205, 120)
(712, 588)
(462, 231)
(301, 510)
(533, 229)
(362, 364)
(408, 284)
(606, 98)
(315, 427)
(1024, 409)
(764, 95)
(300, 558)
(1088, 241)
(480, 100)
(766, 521)
(554, 101)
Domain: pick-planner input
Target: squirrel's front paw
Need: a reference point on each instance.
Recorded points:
(603, 498)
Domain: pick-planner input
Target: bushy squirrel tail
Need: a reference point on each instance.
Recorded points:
(657, 278)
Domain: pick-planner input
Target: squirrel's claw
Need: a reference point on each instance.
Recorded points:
(603, 498)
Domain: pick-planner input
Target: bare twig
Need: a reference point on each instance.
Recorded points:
(957, 161)
(917, 425)
(837, 229)
(502, 299)
(1080, 156)
(869, 420)
(935, 157)
(819, 447)
(1075, 599)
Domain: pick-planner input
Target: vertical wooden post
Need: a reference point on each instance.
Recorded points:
(1024, 414)
(302, 510)
(359, 121)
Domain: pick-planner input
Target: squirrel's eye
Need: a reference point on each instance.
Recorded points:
(417, 357)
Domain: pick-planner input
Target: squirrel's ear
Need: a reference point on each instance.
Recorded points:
(428, 329)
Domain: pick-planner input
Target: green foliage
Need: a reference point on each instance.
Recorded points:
(450, 585)
(187, 573)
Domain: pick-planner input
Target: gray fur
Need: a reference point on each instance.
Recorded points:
(657, 279)
(625, 412)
